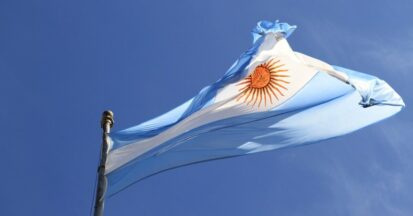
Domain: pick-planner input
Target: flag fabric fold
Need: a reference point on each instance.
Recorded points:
(270, 98)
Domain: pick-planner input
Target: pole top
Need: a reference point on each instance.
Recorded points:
(107, 118)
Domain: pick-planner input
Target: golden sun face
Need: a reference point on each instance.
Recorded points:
(266, 82)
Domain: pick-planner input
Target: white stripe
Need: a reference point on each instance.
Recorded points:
(322, 66)
(225, 105)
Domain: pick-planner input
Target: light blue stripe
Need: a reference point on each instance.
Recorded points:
(373, 90)
(324, 108)
(264, 27)
(205, 96)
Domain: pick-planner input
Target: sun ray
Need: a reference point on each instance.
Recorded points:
(267, 63)
(273, 93)
(265, 96)
(256, 97)
(242, 94)
(280, 75)
(245, 87)
(276, 67)
(281, 86)
(280, 80)
(278, 71)
(277, 89)
(252, 96)
(248, 95)
(247, 81)
(270, 62)
(273, 63)
(269, 94)
(259, 103)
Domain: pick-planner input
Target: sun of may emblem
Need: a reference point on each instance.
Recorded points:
(267, 81)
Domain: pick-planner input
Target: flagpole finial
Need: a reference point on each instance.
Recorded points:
(107, 119)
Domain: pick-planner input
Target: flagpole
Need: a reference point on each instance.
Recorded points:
(106, 123)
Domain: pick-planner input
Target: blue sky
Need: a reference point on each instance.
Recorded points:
(63, 62)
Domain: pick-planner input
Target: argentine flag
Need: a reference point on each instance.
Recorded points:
(270, 98)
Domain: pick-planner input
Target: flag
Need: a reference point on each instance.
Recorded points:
(270, 98)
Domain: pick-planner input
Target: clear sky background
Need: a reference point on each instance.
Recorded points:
(63, 62)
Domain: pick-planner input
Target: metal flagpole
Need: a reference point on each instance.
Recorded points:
(106, 123)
